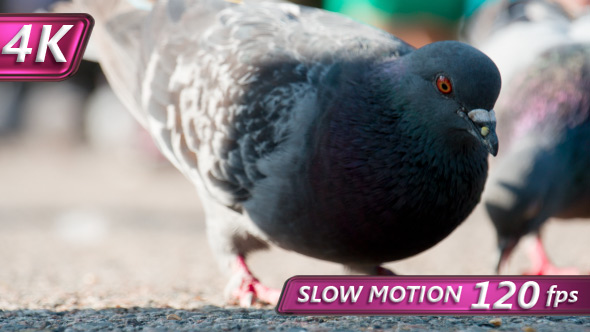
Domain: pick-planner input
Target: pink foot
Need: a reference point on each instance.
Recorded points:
(552, 270)
(541, 265)
(250, 290)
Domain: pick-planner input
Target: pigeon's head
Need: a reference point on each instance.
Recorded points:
(451, 88)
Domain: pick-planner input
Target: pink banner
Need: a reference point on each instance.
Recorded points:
(449, 295)
(42, 47)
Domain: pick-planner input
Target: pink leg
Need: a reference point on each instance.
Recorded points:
(250, 289)
(541, 264)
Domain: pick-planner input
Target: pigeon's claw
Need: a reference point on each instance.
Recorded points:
(541, 265)
(247, 290)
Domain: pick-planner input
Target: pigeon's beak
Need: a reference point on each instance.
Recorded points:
(483, 128)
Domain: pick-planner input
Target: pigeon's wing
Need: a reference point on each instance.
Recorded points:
(549, 96)
(227, 85)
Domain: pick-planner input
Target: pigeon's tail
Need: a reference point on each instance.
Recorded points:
(117, 44)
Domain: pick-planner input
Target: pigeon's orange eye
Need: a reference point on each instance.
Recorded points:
(444, 84)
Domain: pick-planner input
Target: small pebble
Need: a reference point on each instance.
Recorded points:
(528, 329)
(496, 322)
(173, 317)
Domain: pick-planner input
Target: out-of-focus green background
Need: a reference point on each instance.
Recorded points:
(416, 21)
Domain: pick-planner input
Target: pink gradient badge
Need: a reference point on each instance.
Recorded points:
(42, 47)
(449, 295)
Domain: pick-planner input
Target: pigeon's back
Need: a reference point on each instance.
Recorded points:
(217, 82)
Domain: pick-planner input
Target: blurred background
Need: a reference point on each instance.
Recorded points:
(91, 215)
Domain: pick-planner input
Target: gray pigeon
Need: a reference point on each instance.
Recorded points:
(543, 169)
(305, 129)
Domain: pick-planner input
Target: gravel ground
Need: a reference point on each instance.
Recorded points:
(96, 241)
(222, 319)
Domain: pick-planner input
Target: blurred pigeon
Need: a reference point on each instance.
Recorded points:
(306, 129)
(543, 169)
(513, 33)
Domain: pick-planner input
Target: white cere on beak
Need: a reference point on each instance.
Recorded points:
(483, 119)
(484, 124)
(481, 116)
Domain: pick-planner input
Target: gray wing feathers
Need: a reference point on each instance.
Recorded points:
(221, 82)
